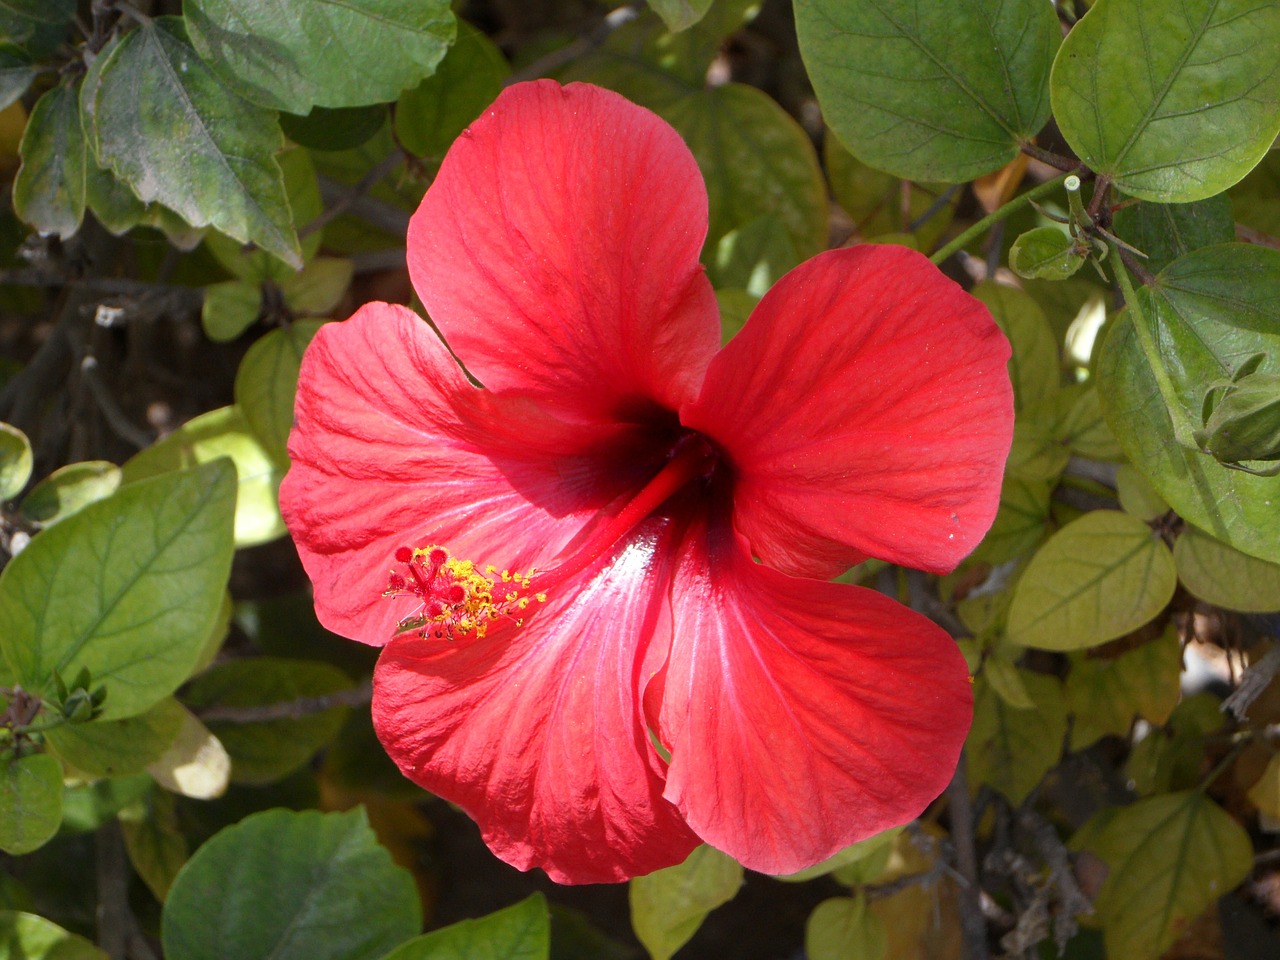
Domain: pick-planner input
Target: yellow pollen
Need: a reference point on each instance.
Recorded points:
(456, 598)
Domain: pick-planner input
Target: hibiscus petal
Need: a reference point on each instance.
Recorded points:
(867, 411)
(557, 250)
(801, 716)
(392, 447)
(535, 730)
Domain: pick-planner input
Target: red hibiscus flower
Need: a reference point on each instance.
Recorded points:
(665, 660)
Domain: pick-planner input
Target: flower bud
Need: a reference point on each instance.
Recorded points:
(1242, 423)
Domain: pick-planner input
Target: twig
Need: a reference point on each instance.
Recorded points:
(968, 893)
(381, 215)
(1061, 876)
(1250, 235)
(1254, 681)
(983, 225)
(1055, 160)
(114, 917)
(289, 710)
(116, 418)
(583, 45)
(354, 193)
(934, 208)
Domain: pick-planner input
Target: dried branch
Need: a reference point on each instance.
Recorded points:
(1252, 683)
(352, 194)
(969, 892)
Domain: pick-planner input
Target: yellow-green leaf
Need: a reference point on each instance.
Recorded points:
(1105, 695)
(668, 906)
(1013, 749)
(1095, 580)
(1223, 576)
(843, 927)
(1170, 857)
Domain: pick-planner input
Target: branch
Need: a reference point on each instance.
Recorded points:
(344, 203)
(968, 893)
(1255, 680)
(291, 709)
(578, 48)
(381, 215)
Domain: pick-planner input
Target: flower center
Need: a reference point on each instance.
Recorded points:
(456, 599)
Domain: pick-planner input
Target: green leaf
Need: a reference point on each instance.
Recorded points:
(668, 906)
(293, 55)
(30, 802)
(39, 25)
(843, 927)
(318, 287)
(1085, 432)
(126, 588)
(1021, 522)
(1106, 694)
(265, 752)
(15, 461)
(343, 128)
(198, 149)
(1217, 574)
(519, 932)
(753, 257)
(1172, 758)
(1036, 452)
(930, 91)
(87, 807)
(118, 748)
(430, 116)
(1013, 749)
(1211, 310)
(49, 190)
(25, 936)
(874, 199)
(267, 381)
(1005, 678)
(222, 433)
(1174, 102)
(735, 308)
(1045, 253)
(757, 161)
(680, 14)
(303, 191)
(1137, 497)
(1034, 367)
(1166, 231)
(69, 489)
(1170, 858)
(867, 858)
(16, 73)
(156, 846)
(1098, 578)
(230, 308)
(291, 886)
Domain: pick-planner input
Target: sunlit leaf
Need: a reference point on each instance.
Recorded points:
(222, 433)
(1137, 497)
(1045, 253)
(865, 856)
(126, 588)
(291, 886)
(680, 14)
(668, 906)
(1170, 857)
(1174, 102)
(196, 764)
(69, 489)
(1096, 579)
(930, 91)
(230, 308)
(318, 287)
(295, 54)
(15, 461)
(519, 932)
(26, 936)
